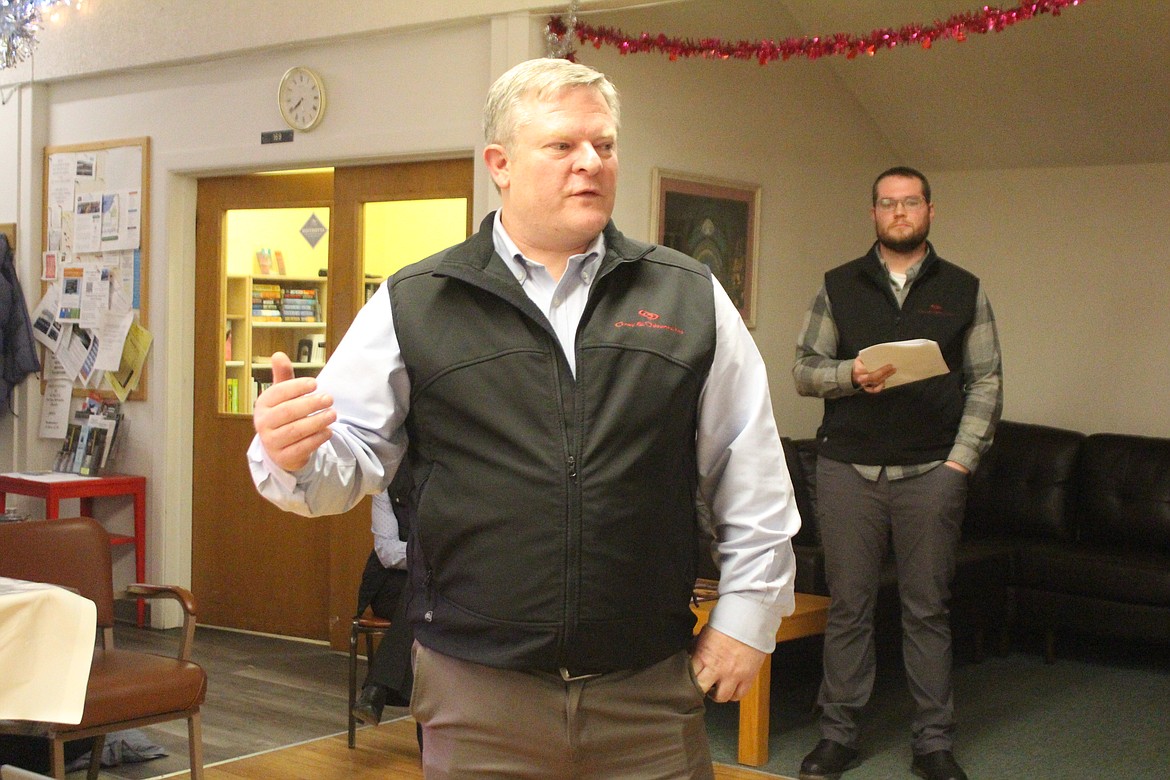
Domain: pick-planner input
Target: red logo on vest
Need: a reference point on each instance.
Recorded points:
(936, 310)
(649, 320)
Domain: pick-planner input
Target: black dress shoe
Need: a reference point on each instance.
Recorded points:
(369, 705)
(939, 765)
(827, 761)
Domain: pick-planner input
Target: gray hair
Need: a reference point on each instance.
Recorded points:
(543, 78)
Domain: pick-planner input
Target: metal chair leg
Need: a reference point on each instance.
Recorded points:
(367, 627)
(353, 641)
(97, 745)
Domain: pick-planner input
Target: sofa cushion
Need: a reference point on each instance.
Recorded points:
(1125, 491)
(1024, 485)
(810, 569)
(1125, 575)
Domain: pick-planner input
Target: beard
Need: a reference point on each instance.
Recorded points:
(906, 243)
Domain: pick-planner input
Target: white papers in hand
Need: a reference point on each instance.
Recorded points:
(914, 359)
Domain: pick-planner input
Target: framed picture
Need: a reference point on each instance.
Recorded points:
(716, 222)
(305, 351)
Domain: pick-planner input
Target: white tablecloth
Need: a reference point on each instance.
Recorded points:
(46, 646)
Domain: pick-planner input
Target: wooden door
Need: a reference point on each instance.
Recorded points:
(255, 567)
(354, 187)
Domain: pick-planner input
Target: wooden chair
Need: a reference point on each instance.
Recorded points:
(368, 626)
(126, 689)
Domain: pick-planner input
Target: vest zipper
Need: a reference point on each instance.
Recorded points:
(428, 588)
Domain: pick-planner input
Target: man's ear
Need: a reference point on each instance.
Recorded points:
(496, 158)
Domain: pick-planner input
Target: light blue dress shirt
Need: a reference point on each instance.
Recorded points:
(743, 476)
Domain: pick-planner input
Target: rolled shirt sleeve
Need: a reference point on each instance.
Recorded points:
(744, 479)
(368, 382)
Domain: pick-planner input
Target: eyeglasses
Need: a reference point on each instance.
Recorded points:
(910, 203)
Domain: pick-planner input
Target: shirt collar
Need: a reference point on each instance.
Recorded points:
(912, 271)
(518, 264)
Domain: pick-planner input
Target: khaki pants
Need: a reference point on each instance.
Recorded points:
(481, 722)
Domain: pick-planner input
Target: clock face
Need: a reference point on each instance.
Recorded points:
(302, 98)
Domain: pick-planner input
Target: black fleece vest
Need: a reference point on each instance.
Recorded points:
(913, 423)
(556, 519)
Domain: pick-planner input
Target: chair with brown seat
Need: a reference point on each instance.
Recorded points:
(127, 689)
(369, 626)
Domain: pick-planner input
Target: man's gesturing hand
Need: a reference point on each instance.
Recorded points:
(725, 668)
(291, 420)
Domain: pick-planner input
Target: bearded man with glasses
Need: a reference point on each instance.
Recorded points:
(893, 464)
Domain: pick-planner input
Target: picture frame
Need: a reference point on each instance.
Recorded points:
(715, 221)
(305, 351)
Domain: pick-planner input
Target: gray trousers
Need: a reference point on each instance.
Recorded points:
(921, 517)
(479, 722)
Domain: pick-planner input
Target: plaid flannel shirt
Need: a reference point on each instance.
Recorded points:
(819, 373)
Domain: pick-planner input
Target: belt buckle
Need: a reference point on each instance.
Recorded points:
(567, 677)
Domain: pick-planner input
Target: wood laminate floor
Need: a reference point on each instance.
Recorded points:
(276, 708)
(262, 693)
(387, 752)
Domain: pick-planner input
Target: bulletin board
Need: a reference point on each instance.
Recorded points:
(96, 241)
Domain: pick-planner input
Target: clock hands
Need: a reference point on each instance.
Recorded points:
(302, 98)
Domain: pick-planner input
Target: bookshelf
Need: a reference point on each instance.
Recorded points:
(266, 314)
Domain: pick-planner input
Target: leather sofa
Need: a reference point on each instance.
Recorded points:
(1065, 532)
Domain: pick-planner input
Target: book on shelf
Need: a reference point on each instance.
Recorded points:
(266, 302)
(299, 305)
(259, 387)
(233, 395)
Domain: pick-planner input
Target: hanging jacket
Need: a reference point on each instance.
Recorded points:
(18, 351)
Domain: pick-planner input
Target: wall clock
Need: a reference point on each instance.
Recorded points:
(301, 97)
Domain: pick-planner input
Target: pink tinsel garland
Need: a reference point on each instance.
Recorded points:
(956, 27)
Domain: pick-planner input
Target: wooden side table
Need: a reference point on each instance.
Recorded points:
(808, 619)
(53, 488)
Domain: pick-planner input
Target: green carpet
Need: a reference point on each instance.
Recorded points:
(1098, 712)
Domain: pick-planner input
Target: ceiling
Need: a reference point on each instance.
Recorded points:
(1088, 87)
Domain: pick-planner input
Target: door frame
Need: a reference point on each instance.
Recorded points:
(337, 545)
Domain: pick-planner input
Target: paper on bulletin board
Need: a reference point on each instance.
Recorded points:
(129, 372)
(96, 214)
(55, 409)
(46, 327)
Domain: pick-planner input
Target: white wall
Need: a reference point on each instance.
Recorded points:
(104, 36)
(1072, 258)
(789, 129)
(1075, 263)
(401, 96)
